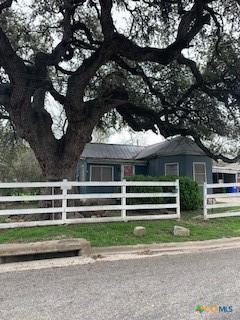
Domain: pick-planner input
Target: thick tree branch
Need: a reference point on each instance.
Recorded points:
(6, 4)
(138, 71)
(9, 60)
(78, 82)
(82, 26)
(212, 154)
(106, 19)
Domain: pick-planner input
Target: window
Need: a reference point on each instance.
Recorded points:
(127, 170)
(199, 172)
(101, 173)
(171, 169)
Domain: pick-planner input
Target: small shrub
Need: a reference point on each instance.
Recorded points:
(190, 197)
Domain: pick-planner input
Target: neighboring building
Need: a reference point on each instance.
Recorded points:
(226, 172)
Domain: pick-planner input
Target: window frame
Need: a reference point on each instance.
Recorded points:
(101, 166)
(171, 163)
(194, 171)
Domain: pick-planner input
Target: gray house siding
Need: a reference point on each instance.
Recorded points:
(141, 169)
(157, 166)
(185, 162)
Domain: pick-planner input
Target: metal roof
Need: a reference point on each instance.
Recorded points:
(111, 151)
(171, 147)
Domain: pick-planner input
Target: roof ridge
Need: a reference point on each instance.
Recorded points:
(173, 146)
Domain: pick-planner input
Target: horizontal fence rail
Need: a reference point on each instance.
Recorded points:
(213, 200)
(60, 205)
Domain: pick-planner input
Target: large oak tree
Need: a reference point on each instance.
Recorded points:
(153, 64)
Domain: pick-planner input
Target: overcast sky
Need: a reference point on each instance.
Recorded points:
(142, 139)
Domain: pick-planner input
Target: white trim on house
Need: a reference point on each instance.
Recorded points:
(122, 169)
(193, 168)
(93, 165)
(171, 163)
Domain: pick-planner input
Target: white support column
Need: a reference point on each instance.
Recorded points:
(123, 200)
(65, 187)
(205, 213)
(178, 211)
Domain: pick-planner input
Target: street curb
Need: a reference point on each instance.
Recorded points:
(124, 253)
(186, 246)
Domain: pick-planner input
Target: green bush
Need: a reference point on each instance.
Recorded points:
(190, 197)
(143, 189)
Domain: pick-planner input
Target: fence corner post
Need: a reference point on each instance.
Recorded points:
(178, 211)
(64, 188)
(123, 200)
(205, 213)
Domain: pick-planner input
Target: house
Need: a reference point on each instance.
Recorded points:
(109, 162)
(179, 156)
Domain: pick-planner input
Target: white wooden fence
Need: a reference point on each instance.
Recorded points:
(65, 208)
(213, 201)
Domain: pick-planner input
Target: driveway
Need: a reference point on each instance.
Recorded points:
(151, 288)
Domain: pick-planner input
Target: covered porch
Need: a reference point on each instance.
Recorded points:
(226, 173)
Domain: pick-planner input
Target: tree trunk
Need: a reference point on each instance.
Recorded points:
(57, 158)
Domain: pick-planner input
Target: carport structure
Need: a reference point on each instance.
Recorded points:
(226, 173)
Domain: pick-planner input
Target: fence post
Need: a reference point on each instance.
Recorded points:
(123, 200)
(205, 213)
(64, 188)
(178, 200)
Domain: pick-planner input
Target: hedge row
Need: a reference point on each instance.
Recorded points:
(190, 197)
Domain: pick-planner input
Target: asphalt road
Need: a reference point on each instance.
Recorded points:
(154, 288)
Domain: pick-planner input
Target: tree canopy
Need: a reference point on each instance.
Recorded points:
(171, 66)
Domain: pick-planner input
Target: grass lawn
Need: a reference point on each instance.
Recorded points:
(110, 234)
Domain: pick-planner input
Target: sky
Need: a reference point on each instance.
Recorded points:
(139, 138)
